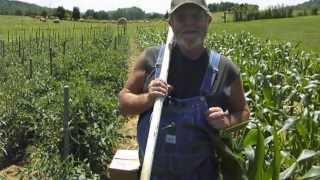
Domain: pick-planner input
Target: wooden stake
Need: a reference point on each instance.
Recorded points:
(50, 58)
(30, 68)
(64, 47)
(4, 48)
(81, 41)
(66, 134)
(23, 56)
(19, 46)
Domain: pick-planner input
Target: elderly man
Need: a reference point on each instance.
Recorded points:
(203, 89)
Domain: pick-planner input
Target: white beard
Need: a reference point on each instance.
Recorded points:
(189, 45)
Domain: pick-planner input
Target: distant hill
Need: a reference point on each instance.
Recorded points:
(309, 4)
(21, 8)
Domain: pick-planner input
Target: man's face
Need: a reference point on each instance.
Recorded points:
(190, 25)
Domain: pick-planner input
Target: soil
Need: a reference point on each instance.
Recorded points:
(129, 130)
(13, 172)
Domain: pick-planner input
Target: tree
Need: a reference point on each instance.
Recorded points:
(101, 15)
(135, 13)
(154, 15)
(89, 13)
(132, 13)
(4, 12)
(18, 12)
(76, 13)
(67, 15)
(30, 13)
(314, 11)
(60, 12)
(223, 6)
(44, 13)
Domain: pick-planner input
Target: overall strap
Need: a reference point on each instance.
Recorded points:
(214, 63)
(159, 61)
(210, 76)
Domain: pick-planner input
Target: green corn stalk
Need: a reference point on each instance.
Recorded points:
(230, 166)
(277, 156)
(256, 172)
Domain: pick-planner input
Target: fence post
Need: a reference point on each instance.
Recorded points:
(23, 56)
(82, 42)
(50, 58)
(30, 44)
(30, 68)
(64, 47)
(66, 134)
(115, 42)
(19, 46)
(3, 49)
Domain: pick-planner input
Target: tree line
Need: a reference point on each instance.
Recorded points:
(26, 9)
(133, 13)
(248, 12)
(240, 12)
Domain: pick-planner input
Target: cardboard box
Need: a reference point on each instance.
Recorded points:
(125, 165)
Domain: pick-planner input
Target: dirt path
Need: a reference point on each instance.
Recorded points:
(13, 173)
(129, 130)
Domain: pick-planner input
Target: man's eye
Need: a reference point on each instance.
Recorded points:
(194, 16)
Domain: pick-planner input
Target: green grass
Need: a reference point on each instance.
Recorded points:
(17, 24)
(218, 17)
(304, 30)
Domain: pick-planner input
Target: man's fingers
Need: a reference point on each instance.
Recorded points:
(170, 88)
(159, 89)
(215, 109)
(216, 115)
(155, 94)
(158, 83)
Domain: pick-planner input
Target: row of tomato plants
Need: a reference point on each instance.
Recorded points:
(31, 105)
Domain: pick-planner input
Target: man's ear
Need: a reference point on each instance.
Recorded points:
(170, 21)
(209, 19)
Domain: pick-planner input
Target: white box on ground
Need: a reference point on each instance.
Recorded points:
(125, 165)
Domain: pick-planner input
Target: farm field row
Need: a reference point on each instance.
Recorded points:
(36, 66)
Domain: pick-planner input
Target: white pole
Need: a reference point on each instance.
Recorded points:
(156, 114)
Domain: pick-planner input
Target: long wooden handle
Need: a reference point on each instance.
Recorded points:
(156, 114)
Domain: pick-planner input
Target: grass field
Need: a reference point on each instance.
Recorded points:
(17, 24)
(305, 30)
(302, 30)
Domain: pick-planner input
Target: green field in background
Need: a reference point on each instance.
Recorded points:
(304, 31)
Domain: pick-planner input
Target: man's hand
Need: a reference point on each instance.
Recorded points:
(158, 88)
(217, 118)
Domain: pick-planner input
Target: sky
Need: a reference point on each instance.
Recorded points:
(160, 6)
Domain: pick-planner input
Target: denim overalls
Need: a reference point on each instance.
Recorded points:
(179, 154)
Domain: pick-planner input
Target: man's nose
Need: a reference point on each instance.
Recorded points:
(190, 19)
